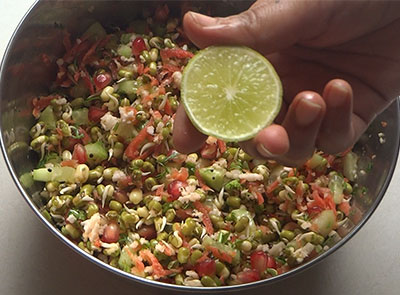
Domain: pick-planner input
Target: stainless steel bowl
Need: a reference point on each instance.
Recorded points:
(24, 75)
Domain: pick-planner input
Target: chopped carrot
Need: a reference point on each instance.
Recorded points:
(181, 175)
(272, 187)
(158, 269)
(224, 256)
(69, 163)
(221, 146)
(205, 217)
(132, 150)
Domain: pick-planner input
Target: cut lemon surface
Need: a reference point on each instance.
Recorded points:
(230, 92)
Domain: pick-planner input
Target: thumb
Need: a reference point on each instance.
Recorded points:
(267, 26)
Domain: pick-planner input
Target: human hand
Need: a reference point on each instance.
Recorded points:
(319, 49)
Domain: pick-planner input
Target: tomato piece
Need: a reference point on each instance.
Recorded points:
(138, 46)
(148, 232)
(102, 80)
(248, 276)
(86, 138)
(259, 261)
(111, 233)
(271, 262)
(95, 114)
(206, 268)
(209, 151)
(206, 217)
(182, 214)
(174, 189)
(79, 153)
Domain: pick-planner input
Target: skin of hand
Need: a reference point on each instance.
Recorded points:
(339, 63)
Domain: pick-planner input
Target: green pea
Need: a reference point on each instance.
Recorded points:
(54, 139)
(233, 202)
(348, 189)
(173, 103)
(148, 167)
(125, 102)
(38, 129)
(274, 223)
(168, 43)
(287, 234)
(161, 158)
(112, 215)
(72, 231)
(118, 150)
(262, 170)
(109, 172)
(165, 132)
(137, 163)
(170, 215)
(155, 205)
(38, 141)
(145, 56)
(183, 255)
(162, 236)
(175, 241)
(273, 272)
(95, 133)
(149, 183)
(241, 224)
(87, 189)
(95, 173)
(154, 54)
(115, 205)
(137, 174)
(207, 281)
(77, 102)
(92, 209)
(52, 186)
(196, 254)
(136, 196)
(129, 219)
(153, 68)
(100, 189)
(188, 227)
(179, 278)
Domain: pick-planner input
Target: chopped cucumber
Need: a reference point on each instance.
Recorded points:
(56, 173)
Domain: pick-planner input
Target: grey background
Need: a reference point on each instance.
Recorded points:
(33, 261)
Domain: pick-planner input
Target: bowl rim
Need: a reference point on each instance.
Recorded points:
(168, 286)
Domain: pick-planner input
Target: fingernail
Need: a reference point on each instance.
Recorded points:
(307, 111)
(264, 151)
(202, 20)
(338, 95)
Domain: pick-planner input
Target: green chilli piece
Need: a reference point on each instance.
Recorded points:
(213, 177)
(56, 173)
(96, 153)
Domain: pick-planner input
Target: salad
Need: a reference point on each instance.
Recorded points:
(116, 187)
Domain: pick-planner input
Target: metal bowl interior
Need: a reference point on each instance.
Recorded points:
(24, 75)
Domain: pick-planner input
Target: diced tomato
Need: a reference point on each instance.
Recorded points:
(102, 80)
(167, 108)
(70, 142)
(138, 46)
(248, 276)
(148, 232)
(271, 263)
(111, 233)
(86, 138)
(121, 196)
(79, 154)
(174, 189)
(95, 114)
(259, 261)
(345, 208)
(206, 267)
(209, 151)
(41, 102)
(182, 214)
